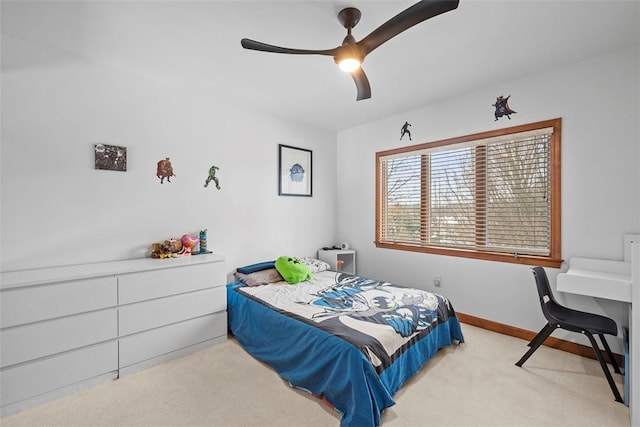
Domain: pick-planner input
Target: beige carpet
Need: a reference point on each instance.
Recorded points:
(475, 384)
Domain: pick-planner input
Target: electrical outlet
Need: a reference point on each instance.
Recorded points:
(437, 281)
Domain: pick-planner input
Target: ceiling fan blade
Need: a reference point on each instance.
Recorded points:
(362, 84)
(406, 19)
(255, 45)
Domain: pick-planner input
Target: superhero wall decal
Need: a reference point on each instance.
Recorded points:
(405, 131)
(502, 107)
(164, 170)
(212, 177)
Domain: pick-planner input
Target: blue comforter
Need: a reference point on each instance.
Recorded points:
(349, 340)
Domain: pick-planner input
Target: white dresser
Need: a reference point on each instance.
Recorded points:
(65, 328)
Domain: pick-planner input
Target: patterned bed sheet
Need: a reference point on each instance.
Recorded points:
(379, 318)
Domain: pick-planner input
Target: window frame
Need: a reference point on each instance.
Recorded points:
(553, 259)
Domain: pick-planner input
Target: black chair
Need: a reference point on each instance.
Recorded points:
(588, 324)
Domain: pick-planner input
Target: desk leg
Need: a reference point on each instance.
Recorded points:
(634, 337)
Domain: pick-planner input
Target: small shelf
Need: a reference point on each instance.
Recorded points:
(340, 260)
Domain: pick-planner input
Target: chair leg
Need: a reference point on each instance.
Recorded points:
(605, 344)
(536, 342)
(604, 367)
(543, 333)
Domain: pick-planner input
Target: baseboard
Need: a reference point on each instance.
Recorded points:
(568, 346)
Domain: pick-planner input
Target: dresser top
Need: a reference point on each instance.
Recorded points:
(39, 276)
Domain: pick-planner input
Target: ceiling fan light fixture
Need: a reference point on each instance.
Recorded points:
(349, 65)
(350, 56)
(351, 53)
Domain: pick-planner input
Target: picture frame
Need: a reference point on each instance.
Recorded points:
(295, 171)
(110, 157)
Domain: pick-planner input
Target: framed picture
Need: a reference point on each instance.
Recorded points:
(110, 157)
(295, 171)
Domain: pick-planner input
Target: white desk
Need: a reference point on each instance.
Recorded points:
(614, 280)
(597, 278)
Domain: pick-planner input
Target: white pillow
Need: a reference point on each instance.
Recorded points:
(315, 265)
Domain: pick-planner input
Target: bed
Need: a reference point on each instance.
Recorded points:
(349, 340)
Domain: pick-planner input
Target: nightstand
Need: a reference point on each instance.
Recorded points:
(339, 260)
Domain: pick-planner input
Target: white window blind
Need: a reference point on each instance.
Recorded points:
(487, 194)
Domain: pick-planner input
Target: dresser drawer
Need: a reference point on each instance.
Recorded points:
(24, 343)
(35, 303)
(164, 311)
(156, 342)
(24, 381)
(169, 281)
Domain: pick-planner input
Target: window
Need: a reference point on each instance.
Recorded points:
(492, 196)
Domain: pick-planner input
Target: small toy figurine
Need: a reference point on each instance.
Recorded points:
(502, 108)
(165, 170)
(212, 177)
(203, 241)
(405, 131)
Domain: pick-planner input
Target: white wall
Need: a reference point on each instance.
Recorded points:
(597, 100)
(57, 209)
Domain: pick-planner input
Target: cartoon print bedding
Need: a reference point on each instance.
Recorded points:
(350, 340)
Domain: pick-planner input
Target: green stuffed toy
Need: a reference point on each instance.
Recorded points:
(292, 269)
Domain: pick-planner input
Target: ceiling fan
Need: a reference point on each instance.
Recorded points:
(351, 53)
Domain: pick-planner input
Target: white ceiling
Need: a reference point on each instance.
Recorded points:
(481, 44)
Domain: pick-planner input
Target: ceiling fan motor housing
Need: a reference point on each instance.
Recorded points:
(349, 17)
